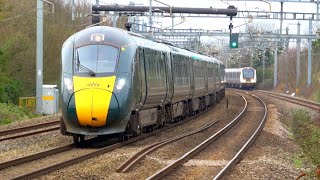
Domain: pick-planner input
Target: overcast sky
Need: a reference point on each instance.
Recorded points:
(223, 23)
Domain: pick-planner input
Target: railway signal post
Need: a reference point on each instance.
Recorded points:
(234, 40)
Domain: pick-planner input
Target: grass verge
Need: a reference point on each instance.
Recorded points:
(316, 96)
(10, 113)
(307, 134)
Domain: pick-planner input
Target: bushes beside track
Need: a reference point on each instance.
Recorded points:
(10, 113)
(307, 134)
(18, 43)
(316, 96)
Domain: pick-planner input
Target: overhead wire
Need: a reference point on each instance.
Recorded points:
(63, 24)
(27, 13)
(17, 16)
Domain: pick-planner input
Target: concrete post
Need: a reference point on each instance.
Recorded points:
(114, 19)
(275, 73)
(39, 63)
(286, 61)
(150, 14)
(310, 53)
(263, 66)
(298, 60)
(73, 10)
(281, 16)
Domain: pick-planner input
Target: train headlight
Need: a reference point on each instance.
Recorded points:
(120, 83)
(68, 84)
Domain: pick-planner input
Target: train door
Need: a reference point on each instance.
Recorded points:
(155, 77)
(205, 67)
(142, 76)
(192, 82)
(168, 72)
(199, 78)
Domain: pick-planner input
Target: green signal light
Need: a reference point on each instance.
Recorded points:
(234, 44)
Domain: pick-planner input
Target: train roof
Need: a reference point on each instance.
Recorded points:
(159, 44)
(237, 69)
(147, 43)
(195, 55)
(112, 34)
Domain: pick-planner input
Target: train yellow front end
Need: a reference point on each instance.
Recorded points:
(92, 100)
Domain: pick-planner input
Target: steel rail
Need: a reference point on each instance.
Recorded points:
(31, 133)
(78, 159)
(125, 166)
(22, 160)
(70, 162)
(43, 154)
(302, 102)
(245, 147)
(28, 128)
(199, 147)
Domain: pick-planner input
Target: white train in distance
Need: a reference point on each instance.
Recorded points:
(243, 78)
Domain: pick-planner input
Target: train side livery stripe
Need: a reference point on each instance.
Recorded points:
(92, 99)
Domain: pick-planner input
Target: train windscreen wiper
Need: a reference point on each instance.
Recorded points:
(83, 68)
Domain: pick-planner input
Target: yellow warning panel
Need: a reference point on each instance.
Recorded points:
(47, 98)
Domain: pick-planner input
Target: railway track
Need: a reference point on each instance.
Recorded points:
(298, 101)
(30, 164)
(141, 154)
(247, 144)
(29, 130)
(130, 162)
(66, 156)
(232, 126)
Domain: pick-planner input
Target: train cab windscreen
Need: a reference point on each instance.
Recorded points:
(248, 73)
(96, 59)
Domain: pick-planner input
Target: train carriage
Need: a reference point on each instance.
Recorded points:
(118, 82)
(243, 78)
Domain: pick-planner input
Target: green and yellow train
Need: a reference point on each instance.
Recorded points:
(117, 82)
